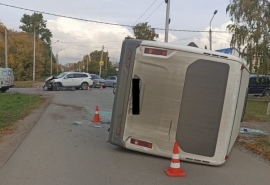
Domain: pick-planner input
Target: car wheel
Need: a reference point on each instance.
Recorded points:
(84, 86)
(3, 90)
(266, 93)
(114, 85)
(57, 86)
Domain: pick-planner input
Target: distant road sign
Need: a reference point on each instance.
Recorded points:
(101, 63)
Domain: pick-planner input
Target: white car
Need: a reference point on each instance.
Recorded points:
(70, 79)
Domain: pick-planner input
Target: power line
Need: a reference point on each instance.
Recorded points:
(141, 16)
(146, 11)
(84, 45)
(76, 45)
(177, 40)
(70, 57)
(101, 22)
(154, 10)
(223, 36)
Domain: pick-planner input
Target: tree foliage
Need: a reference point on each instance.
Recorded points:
(143, 31)
(36, 21)
(93, 66)
(20, 55)
(250, 29)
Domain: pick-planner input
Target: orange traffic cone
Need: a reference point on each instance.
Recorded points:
(96, 118)
(37, 87)
(101, 87)
(174, 170)
(88, 88)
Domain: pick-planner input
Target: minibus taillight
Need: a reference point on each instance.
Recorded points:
(141, 143)
(155, 51)
(118, 131)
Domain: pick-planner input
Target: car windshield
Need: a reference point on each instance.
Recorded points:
(95, 77)
(61, 75)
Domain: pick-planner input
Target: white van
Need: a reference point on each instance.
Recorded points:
(185, 94)
(6, 79)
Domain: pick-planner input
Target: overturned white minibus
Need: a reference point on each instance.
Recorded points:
(193, 96)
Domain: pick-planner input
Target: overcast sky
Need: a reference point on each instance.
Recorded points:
(77, 38)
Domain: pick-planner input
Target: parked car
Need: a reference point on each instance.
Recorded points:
(259, 85)
(6, 79)
(70, 79)
(111, 81)
(97, 81)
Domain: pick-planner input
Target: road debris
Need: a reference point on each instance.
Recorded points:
(106, 122)
(96, 126)
(250, 131)
(77, 123)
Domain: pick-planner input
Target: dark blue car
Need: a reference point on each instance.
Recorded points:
(259, 85)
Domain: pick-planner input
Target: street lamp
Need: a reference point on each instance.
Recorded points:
(34, 54)
(57, 60)
(80, 65)
(51, 55)
(88, 59)
(210, 31)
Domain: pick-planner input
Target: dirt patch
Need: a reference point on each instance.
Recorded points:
(56, 116)
(40, 84)
(257, 146)
(6, 131)
(76, 108)
(13, 135)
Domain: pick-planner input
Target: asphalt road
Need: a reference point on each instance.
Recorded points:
(57, 152)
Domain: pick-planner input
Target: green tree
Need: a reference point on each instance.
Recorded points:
(109, 72)
(36, 21)
(20, 55)
(250, 31)
(129, 37)
(143, 31)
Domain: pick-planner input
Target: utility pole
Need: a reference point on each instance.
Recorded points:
(167, 22)
(57, 63)
(51, 55)
(6, 49)
(210, 38)
(51, 59)
(107, 61)
(87, 63)
(34, 62)
(82, 66)
(101, 60)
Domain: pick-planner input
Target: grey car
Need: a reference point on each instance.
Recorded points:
(97, 81)
(111, 81)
